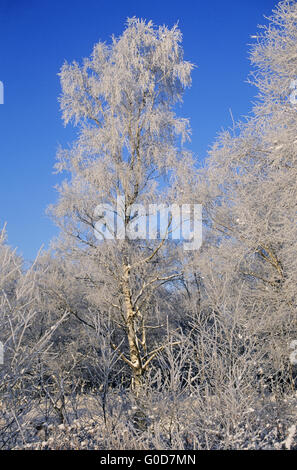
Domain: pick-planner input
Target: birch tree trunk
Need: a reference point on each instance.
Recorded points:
(135, 357)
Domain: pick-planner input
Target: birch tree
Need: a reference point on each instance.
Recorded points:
(122, 99)
(250, 197)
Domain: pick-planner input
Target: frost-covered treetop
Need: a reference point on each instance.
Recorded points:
(122, 99)
(144, 62)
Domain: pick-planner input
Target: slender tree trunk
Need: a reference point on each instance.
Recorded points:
(134, 352)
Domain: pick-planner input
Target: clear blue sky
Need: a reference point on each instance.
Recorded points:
(35, 39)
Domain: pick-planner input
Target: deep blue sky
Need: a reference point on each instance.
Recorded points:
(37, 36)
